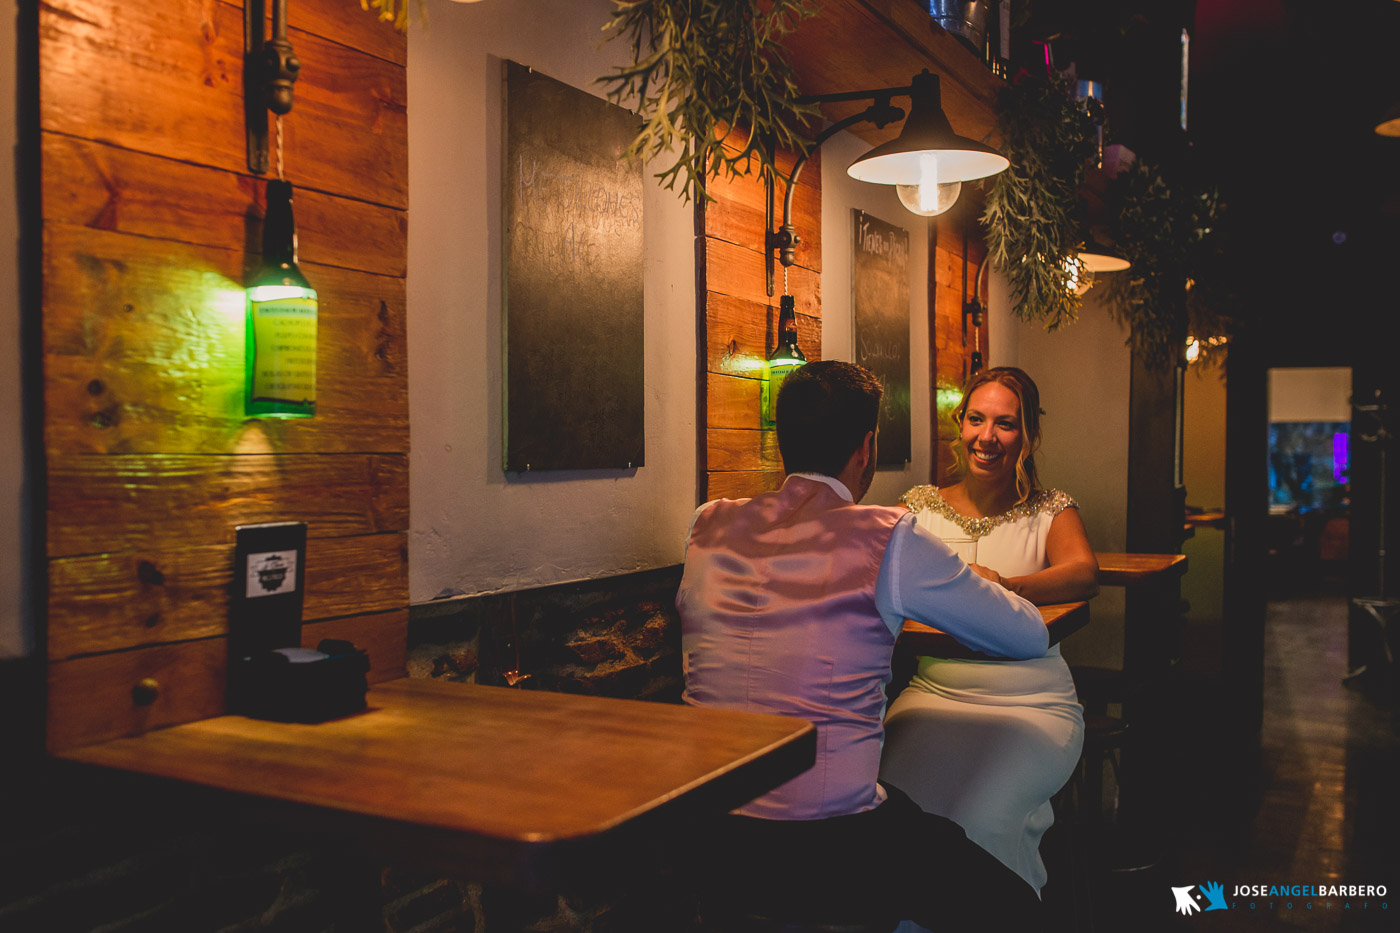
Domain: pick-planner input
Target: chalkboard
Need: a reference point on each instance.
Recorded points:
(572, 210)
(880, 308)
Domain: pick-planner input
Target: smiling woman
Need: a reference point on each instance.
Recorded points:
(1020, 722)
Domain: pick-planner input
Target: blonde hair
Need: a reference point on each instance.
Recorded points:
(1028, 415)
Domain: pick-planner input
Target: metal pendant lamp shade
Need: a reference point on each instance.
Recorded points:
(902, 160)
(1099, 259)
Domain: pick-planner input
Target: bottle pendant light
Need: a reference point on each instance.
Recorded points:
(280, 354)
(784, 359)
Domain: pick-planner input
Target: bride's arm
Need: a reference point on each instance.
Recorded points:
(1073, 574)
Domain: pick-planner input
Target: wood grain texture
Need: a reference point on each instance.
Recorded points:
(105, 187)
(111, 602)
(101, 504)
(738, 271)
(741, 333)
(1131, 569)
(737, 138)
(731, 402)
(150, 222)
(729, 449)
(144, 352)
(1062, 619)
(858, 44)
(384, 635)
(350, 25)
(91, 699)
(738, 214)
(741, 485)
(741, 320)
(951, 341)
(168, 79)
(513, 776)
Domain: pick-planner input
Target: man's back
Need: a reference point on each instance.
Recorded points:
(779, 616)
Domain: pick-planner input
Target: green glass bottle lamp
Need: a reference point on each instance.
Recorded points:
(784, 359)
(280, 355)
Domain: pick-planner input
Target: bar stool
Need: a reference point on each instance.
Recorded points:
(1104, 738)
(1079, 818)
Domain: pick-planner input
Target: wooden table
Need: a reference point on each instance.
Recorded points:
(1132, 569)
(1214, 518)
(489, 783)
(1152, 624)
(1063, 619)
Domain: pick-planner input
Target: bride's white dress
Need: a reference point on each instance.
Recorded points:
(988, 743)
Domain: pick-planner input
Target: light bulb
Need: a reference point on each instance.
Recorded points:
(1078, 278)
(1193, 349)
(928, 198)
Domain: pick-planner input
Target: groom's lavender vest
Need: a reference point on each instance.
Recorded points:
(778, 615)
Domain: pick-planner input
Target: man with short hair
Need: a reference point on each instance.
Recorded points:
(790, 603)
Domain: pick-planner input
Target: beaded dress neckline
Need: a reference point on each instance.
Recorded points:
(1049, 501)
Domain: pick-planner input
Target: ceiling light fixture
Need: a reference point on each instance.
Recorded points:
(927, 162)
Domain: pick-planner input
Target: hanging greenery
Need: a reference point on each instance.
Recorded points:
(391, 11)
(700, 69)
(1033, 216)
(1178, 283)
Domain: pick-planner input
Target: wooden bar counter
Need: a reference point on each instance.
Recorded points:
(1062, 620)
(512, 786)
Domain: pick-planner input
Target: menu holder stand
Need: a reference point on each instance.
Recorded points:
(270, 675)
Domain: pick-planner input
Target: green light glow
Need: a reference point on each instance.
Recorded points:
(229, 304)
(946, 401)
(278, 292)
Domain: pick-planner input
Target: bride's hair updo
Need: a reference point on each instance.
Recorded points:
(1024, 388)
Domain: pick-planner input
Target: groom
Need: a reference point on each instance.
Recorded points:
(790, 603)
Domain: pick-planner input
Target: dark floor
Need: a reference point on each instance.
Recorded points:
(1317, 805)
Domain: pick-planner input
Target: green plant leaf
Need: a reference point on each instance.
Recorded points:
(702, 68)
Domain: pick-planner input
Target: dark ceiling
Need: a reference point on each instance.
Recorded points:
(1283, 99)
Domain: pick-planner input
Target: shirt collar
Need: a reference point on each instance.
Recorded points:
(838, 486)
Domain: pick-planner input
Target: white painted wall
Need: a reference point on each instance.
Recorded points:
(1203, 472)
(1310, 393)
(1203, 428)
(1083, 372)
(16, 629)
(841, 193)
(473, 528)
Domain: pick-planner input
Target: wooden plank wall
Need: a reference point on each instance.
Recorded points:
(952, 344)
(740, 321)
(150, 219)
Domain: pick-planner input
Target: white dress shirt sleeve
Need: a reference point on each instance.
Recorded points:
(921, 578)
(690, 529)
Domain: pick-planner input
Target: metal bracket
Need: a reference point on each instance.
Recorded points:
(270, 68)
(784, 240)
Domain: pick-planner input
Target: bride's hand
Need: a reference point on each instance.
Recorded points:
(987, 573)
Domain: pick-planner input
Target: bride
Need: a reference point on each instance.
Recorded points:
(987, 743)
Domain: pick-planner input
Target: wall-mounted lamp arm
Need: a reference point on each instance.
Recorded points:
(973, 308)
(282, 64)
(270, 68)
(785, 239)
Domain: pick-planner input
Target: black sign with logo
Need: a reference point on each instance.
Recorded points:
(269, 582)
